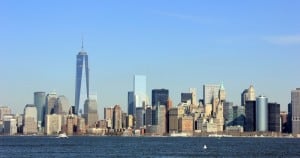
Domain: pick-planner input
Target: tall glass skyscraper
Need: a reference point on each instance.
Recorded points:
(39, 102)
(140, 90)
(262, 114)
(82, 82)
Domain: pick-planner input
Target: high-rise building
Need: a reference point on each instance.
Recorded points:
(251, 94)
(53, 124)
(62, 106)
(262, 113)
(160, 96)
(117, 118)
(91, 112)
(186, 124)
(50, 101)
(238, 115)
(148, 116)
(30, 119)
(161, 119)
(108, 116)
(244, 97)
(140, 118)
(140, 91)
(284, 122)
(295, 96)
(248, 95)
(194, 96)
(173, 120)
(209, 92)
(10, 126)
(228, 113)
(274, 117)
(185, 97)
(82, 81)
(4, 110)
(131, 105)
(250, 111)
(39, 102)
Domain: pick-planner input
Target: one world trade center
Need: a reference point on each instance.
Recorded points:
(82, 81)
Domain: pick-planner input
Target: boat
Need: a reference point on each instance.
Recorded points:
(204, 147)
(178, 134)
(62, 135)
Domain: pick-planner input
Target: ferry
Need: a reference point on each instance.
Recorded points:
(62, 135)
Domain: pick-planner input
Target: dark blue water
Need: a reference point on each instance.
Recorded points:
(37, 146)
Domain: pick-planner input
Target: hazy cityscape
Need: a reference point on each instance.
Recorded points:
(212, 115)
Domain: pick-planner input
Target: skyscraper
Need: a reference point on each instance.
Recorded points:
(139, 89)
(250, 111)
(295, 96)
(262, 114)
(82, 81)
(160, 96)
(50, 101)
(194, 96)
(131, 105)
(91, 112)
(209, 92)
(30, 119)
(274, 117)
(248, 95)
(117, 118)
(39, 102)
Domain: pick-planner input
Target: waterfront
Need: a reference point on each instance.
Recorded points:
(93, 146)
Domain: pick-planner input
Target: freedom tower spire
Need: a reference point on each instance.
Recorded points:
(82, 81)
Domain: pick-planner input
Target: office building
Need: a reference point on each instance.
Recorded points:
(62, 106)
(148, 116)
(131, 105)
(186, 97)
(50, 101)
(161, 119)
(228, 113)
(39, 102)
(274, 117)
(129, 121)
(10, 126)
(117, 118)
(186, 124)
(250, 112)
(261, 114)
(284, 122)
(238, 115)
(140, 118)
(91, 112)
(160, 96)
(248, 95)
(295, 110)
(53, 124)
(140, 91)
(82, 81)
(209, 92)
(194, 96)
(30, 119)
(4, 110)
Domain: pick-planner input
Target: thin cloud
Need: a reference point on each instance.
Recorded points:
(283, 39)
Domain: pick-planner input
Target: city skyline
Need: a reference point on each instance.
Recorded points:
(173, 47)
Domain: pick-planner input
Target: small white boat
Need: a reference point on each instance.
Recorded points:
(204, 147)
(62, 135)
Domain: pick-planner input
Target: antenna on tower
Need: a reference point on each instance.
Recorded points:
(81, 42)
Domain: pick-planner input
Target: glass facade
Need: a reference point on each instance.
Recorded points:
(262, 114)
(82, 82)
(39, 102)
(160, 96)
(131, 105)
(140, 90)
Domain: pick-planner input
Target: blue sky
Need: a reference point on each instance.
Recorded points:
(176, 44)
